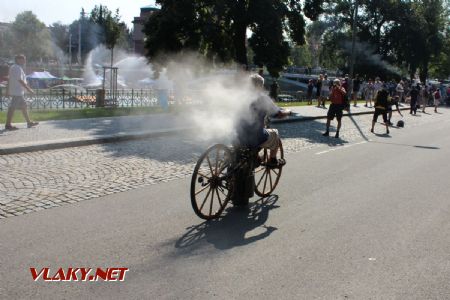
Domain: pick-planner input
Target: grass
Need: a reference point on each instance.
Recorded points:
(67, 114)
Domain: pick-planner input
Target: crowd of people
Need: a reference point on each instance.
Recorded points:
(382, 96)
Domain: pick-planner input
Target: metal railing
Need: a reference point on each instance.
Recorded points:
(67, 99)
(70, 99)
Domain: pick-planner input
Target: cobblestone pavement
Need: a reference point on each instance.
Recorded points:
(41, 180)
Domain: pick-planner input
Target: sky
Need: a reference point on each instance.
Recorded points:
(66, 11)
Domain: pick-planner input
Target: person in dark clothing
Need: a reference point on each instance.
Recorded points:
(381, 108)
(319, 89)
(414, 94)
(310, 91)
(336, 107)
(250, 129)
(356, 87)
(391, 102)
(274, 88)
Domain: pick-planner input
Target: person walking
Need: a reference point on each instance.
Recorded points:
(17, 84)
(437, 99)
(424, 97)
(325, 91)
(368, 93)
(393, 101)
(400, 90)
(310, 91)
(356, 87)
(336, 107)
(319, 89)
(381, 108)
(414, 94)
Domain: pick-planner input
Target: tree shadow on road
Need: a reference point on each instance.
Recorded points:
(232, 230)
(310, 131)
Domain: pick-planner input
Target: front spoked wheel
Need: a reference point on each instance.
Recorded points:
(211, 183)
(266, 176)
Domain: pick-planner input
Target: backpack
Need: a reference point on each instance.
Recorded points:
(437, 95)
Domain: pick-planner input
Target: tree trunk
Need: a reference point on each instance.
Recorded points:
(240, 40)
(112, 56)
(424, 72)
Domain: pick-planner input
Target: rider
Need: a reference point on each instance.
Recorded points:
(251, 131)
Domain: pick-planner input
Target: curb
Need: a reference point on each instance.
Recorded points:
(78, 142)
(304, 119)
(68, 143)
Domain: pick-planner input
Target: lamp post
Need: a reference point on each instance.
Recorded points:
(353, 54)
(70, 50)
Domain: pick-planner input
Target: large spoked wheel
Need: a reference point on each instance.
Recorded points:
(211, 185)
(266, 177)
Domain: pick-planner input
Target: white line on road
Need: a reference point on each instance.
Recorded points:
(342, 147)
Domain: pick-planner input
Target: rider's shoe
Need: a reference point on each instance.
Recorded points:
(276, 163)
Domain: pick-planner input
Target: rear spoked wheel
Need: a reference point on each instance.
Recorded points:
(267, 177)
(211, 185)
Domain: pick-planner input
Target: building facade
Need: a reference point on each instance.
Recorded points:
(138, 26)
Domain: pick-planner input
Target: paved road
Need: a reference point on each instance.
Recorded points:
(361, 220)
(35, 181)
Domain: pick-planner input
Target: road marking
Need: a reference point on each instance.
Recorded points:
(341, 147)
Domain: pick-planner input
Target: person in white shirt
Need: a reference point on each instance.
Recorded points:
(17, 85)
(400, 90)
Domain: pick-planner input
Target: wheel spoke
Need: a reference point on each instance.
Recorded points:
(259, 170)
(202, 175)
(218, 197)
(275, 172)
(265, 182)
(209, 163)
(211, 204)
(217, 159)
(222, 191)
(204, 200)
(260, 179)
(270, 181)
(202, 189)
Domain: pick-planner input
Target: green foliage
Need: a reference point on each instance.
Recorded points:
(408, 34)
(218, 30)
(30, 36)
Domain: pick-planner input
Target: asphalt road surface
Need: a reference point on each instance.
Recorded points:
(366, 220)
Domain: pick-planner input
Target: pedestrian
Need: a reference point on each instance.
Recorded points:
(319, 89)
(325, 90)
(17, 84)
(437, 99)
(414, 94)
(424, 97)
(377, 86)
(381, 108)
(310, 91)
(393, 101)
(356, 87)
(336, 107)
(274, 89)
(368, 93)
(400, 90)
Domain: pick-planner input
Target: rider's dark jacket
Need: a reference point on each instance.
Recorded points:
(250, 129)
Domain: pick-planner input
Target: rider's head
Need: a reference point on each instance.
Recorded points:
(257, 80)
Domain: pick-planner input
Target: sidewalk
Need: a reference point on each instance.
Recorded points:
(72, 133)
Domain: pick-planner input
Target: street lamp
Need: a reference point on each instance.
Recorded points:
(352, 59)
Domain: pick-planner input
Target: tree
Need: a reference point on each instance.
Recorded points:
(30, 37)
(218, 30)
(109, 27)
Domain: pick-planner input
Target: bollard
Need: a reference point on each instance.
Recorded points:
(163, 98)
(100, 98)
